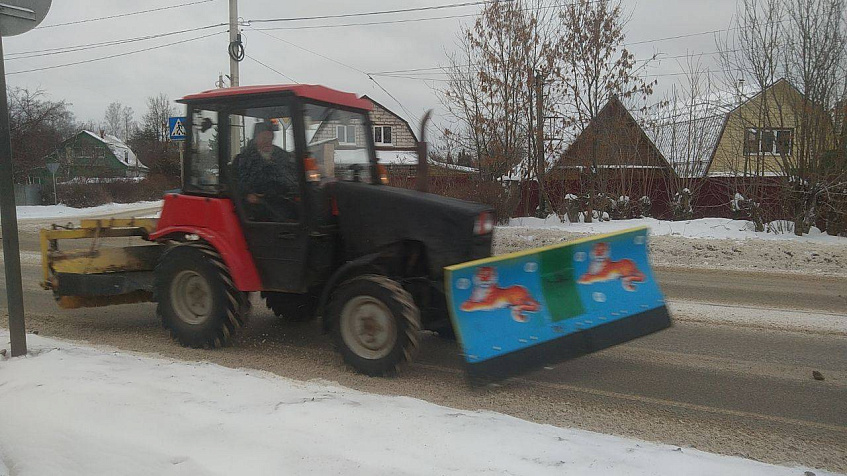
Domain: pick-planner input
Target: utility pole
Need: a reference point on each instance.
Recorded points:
(234, 38)
(540, 163)
(236, 54)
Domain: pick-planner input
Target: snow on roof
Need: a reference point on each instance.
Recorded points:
(122, 151)
(397, 157)
(457, 168)
(405, 157)
(688, 144)
(523, 170)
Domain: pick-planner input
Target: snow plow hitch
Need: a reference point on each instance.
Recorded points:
(534, 308)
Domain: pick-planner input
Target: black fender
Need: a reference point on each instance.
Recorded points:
(361, 265)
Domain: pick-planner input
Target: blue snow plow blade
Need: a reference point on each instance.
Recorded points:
(521, 311)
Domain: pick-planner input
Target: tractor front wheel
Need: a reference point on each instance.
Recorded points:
(197, 300)
(376, 324)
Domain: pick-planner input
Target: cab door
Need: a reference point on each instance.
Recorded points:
(267, 182)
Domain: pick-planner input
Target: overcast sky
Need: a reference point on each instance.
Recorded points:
(193, 66)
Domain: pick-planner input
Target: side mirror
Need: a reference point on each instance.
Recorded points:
(206, 124)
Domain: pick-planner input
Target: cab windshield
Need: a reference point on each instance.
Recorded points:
(339, 141)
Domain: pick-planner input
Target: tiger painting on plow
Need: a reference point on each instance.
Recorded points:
(603, 268)
(488, 296)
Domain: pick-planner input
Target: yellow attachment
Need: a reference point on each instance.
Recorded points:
(105, 260)
(97, 259)
(76, 302)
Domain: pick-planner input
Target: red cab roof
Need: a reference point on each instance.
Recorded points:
(310, 91)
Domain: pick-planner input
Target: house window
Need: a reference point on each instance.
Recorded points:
(382, 135)
(768, 141)
(345, 134)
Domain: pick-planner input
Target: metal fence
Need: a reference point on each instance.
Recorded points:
(28, 194)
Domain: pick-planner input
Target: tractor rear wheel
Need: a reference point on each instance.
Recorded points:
(197, 300)
(376, 324)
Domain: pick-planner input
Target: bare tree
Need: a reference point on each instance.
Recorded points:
(814, 60)
(596, 67)
(129, 125)
(113, 120)
(119, 121)
(150, 141)
(155, 120)
(685, 129)
(37, 126)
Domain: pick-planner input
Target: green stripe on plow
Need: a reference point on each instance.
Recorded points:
(559, 284)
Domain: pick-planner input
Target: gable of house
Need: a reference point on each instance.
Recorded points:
(613, 140)
(758, 135)
(402, 135)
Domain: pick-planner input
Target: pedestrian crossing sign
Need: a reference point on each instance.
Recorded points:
(176, 128)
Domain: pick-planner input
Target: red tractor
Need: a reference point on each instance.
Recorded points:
(282, 195)
(307, 221)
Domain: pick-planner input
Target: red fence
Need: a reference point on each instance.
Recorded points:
(711, 196)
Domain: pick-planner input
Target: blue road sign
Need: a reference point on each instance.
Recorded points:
(176, 128)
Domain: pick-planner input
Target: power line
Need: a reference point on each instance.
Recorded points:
(382, 12)
(311, 51)
(115, 55)
(87, 20)
(344, 65)
(371, 23)
(404, 20)
(274, 70)
(88, 46)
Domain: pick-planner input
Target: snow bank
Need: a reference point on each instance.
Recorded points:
(714, 228)
(47, 212)
(74, 410)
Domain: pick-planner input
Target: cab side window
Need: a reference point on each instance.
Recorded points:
(264, 165)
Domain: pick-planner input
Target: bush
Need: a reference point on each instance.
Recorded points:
(80, 193)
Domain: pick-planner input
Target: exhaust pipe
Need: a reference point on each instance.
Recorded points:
(422, 180)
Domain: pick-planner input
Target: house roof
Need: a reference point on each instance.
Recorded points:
(122, 152)
(310, 91)
(688, 145)
(626, 128)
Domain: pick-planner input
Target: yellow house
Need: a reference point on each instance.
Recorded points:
(759, 136)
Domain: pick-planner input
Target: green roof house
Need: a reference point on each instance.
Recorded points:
(88, 155)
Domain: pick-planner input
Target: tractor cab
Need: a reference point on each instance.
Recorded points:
(272, 150)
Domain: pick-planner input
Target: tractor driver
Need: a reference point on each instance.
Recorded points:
(267, 177)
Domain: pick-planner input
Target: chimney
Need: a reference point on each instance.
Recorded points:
(102, 133)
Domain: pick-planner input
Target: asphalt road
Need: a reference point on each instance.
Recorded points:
(737, 390)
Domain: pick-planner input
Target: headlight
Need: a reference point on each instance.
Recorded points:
(484, 224)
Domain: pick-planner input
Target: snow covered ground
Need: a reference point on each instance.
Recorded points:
(708, 228)
(69, 409)
(51, 212)
(709, 243)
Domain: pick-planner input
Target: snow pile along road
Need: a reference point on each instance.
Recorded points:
(55, 212)
(709, 228)
(75, 410)
(711, 243)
